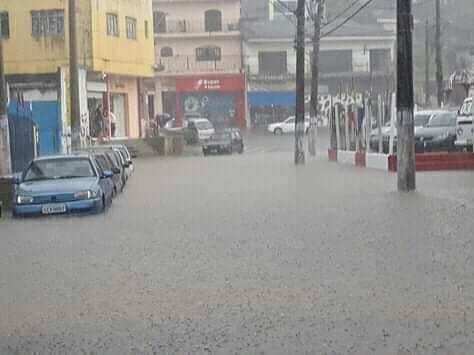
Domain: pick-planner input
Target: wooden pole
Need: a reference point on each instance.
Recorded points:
(300, 87)
(337, 124)
(315, 77)
(379, 122)
(74, 78)
(405, 99)
(439, 60)
(5, 154)
(427, 63)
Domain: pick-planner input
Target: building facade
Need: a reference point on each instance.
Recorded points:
(115, 47)
(199, 60)
(355, 59)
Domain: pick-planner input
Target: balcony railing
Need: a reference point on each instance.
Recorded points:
(189, 65)
(191, 26)
(262, 76)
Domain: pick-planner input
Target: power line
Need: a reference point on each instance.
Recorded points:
(367, 3)
(340, 14)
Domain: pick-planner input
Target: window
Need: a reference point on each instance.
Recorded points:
(285, 7)
(272, 63)
(421, 120)
(112, 25)
(443, 120)
(213, 21)
(47, 23)
(146, 29)
(159, 22)
(204, 54)
(380, 60)
(166, 52)
(131, 27)
(101, 164)
(337, 61)
(4, 25)
(467, 108)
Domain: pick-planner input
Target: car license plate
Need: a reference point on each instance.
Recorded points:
(54, 209)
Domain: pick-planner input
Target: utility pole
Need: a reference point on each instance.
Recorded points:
(315, 76)
(405, 98)
(5, 154)
(427, 63)
(300, 62)
(74, 78)
(439, 60)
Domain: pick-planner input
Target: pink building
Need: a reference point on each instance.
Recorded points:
(199, 60)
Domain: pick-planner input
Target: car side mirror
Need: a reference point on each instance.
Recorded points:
(126, 164)
(107, 174)
(16, 179)
(115, 171)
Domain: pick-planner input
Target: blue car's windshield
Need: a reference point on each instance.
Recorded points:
(67, 168)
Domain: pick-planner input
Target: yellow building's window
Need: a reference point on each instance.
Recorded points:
(131, 27)
(112, 25)
(146, 29)
(47, 23)
(4, 25)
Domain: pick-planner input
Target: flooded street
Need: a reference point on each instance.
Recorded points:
(247, 254)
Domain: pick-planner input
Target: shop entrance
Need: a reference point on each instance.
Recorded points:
(118, 108)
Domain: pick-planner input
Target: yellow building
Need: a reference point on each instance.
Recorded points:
(116, 54)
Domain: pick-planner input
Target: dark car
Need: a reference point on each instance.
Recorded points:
(117, 162)
(421, 120)
(224, 142)
(106, 164)
(438, 135)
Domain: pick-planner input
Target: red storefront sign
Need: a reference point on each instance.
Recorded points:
(228, 83)
(233, 84)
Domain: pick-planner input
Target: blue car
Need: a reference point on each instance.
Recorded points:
(63, 185)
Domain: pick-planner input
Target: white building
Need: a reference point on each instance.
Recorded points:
(355, 58)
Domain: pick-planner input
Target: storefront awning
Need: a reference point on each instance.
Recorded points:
(269, 98)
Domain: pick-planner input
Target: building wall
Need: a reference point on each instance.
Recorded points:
(129, 87)
(120, 55)
(27, 54)
(187, 46)
(184, 44)
(194, 10)
(360, 52)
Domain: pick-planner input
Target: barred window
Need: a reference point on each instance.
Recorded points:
(166, 52)
(131, 27)
(47, 23)
(4, 25)
(204, 54)
(112, 25)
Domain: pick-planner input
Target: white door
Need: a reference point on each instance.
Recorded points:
(289, 125)
(118, 108)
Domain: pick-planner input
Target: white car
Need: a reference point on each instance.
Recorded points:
(198, 130)
(464, 125)
(287, 126)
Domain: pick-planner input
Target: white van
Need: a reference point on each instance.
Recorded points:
(198, 130)
(464, 125)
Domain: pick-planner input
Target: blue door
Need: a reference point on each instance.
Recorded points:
(22, 136)
(46, 117)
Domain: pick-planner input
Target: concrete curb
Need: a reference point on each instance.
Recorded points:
(385, 162)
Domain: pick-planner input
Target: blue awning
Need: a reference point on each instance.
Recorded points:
(269, 98)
